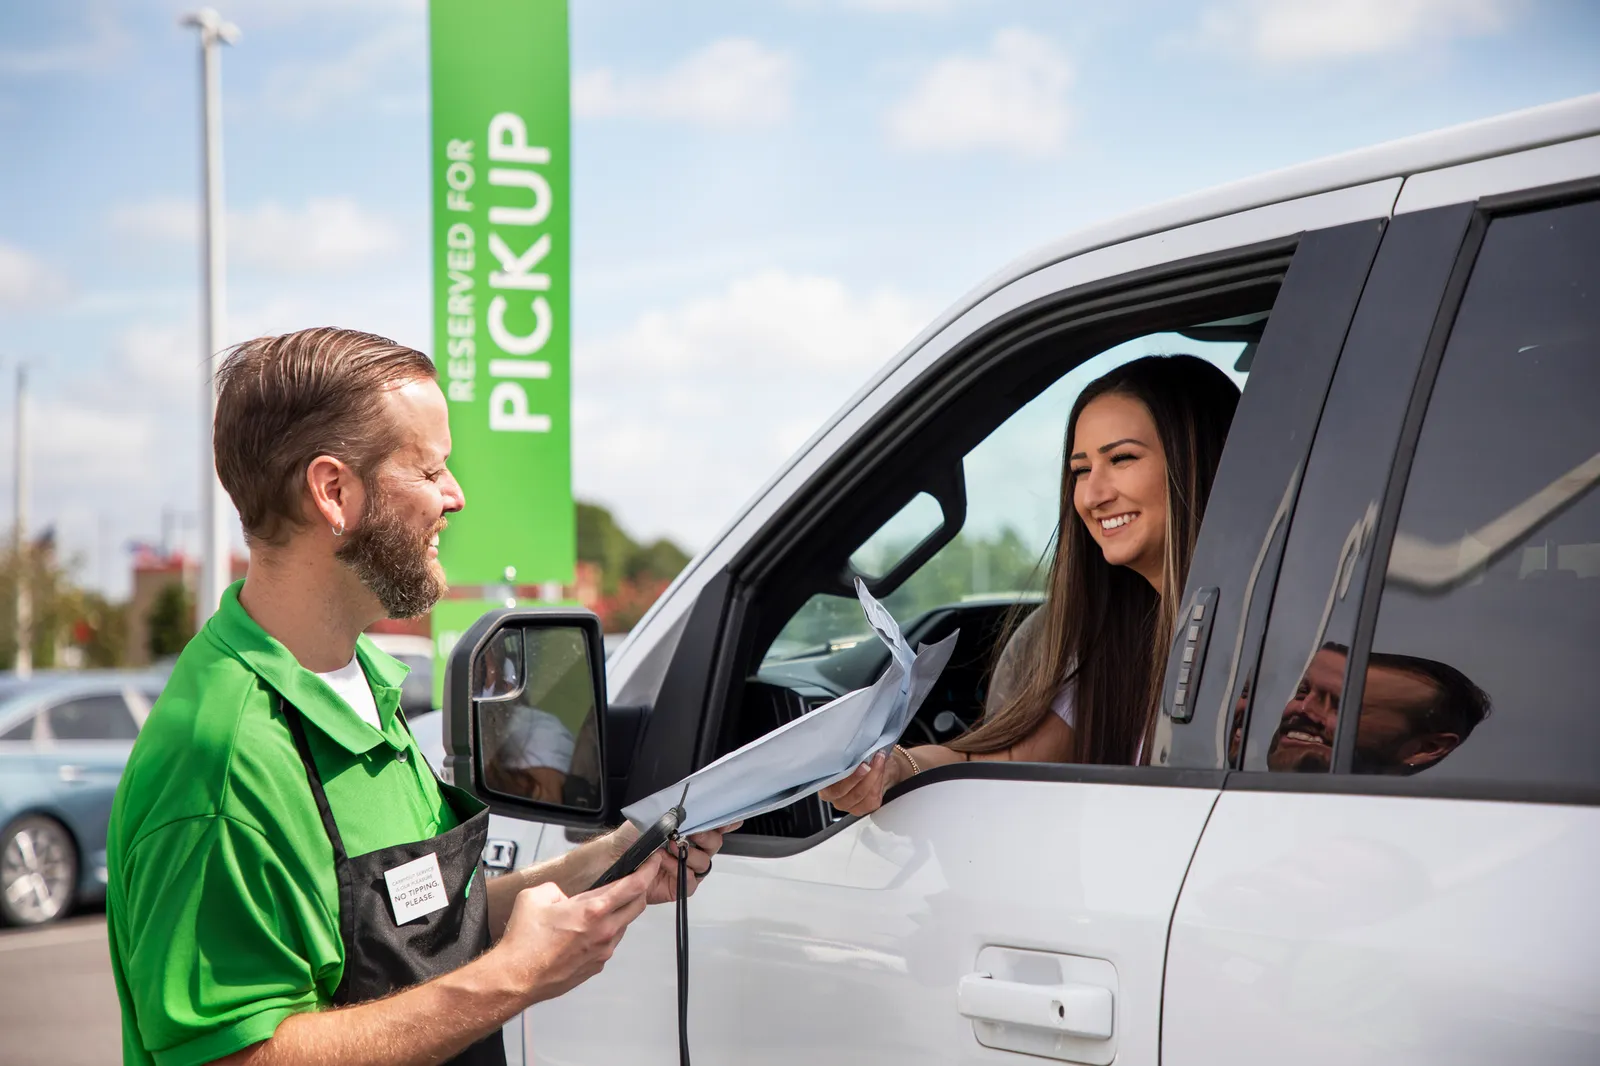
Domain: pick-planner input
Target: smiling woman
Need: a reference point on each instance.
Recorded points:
(1078, 678)
(1119, 487)
(1144, 442)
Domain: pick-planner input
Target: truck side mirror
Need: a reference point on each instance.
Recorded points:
(524, 714)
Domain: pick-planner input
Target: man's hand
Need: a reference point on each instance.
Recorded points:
(553, 942)
(664, 888)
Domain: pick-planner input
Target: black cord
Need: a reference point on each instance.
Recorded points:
(683, 952)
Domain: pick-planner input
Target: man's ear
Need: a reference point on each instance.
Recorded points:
(336, 493)
(1429, 748)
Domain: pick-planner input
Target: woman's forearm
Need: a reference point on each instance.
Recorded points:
(1050, 742)
(862, 791)
(930, 755)
(926, 757)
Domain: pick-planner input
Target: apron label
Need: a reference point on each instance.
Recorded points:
(416, 889)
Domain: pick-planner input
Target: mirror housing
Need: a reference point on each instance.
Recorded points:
(525, 715)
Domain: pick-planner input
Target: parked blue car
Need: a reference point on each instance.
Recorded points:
(64, 739)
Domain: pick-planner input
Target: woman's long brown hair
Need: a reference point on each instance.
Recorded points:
(1102, 627)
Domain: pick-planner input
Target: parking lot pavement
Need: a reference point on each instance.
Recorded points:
(58, 1004)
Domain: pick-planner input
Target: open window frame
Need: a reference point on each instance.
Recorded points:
(927, 431)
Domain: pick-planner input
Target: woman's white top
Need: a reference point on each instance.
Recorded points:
(1007, 671)
(1065, 705)
(1009, 668)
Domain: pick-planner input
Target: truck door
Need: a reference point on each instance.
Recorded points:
(1399, 872)
(982, 888)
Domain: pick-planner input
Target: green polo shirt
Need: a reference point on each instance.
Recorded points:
(222, 904)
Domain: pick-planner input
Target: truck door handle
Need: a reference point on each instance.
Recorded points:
(71, 773)
(1070, 1009)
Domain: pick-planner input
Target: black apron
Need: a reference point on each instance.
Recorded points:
(381, 957)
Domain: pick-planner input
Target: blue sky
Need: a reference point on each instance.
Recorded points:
(769, 197)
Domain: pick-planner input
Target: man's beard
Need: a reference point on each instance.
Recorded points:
(391, 559)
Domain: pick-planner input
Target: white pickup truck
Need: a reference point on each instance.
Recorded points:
(1409, 485)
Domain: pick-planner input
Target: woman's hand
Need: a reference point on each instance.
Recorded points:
(862, 792)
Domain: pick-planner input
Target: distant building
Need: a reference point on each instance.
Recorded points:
(153, 571)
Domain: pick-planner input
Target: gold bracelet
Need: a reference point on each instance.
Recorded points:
(915, 769)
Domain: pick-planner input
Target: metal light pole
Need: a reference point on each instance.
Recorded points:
(24, 663)
(214, 540)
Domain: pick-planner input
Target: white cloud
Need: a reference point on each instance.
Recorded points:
(878, 7)
(164, 219)
(164, 358)
(733, 82)
(1287, 31)
(369, 72)
(115, 424)
(280, 12)
(109, 428)
(1012, 98)
(115, 442)
(99, 446)
(327, 234)
(916, 7)
(91, 50)
(25, 281)
(680, 417)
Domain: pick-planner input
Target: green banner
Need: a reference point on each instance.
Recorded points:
(502, 287)
(502, 267)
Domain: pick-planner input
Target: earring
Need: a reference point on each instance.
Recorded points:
(338, 529)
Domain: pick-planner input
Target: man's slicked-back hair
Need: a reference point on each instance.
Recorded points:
(282, 401)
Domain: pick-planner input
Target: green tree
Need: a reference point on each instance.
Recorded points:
(622, 559)
(102, 631)
(57, 603)
(171, 621)
(658, 561)
(968, 566)
(602, 542)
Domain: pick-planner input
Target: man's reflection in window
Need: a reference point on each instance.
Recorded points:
(1241, 706)
(1414, 712)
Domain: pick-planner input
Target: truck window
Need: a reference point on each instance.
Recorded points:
(1482, 664)
(993, 567)
(1013, 480)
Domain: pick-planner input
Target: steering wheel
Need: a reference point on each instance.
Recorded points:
(924, 730)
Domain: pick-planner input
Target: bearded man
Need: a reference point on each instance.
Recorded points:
(274, 783)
